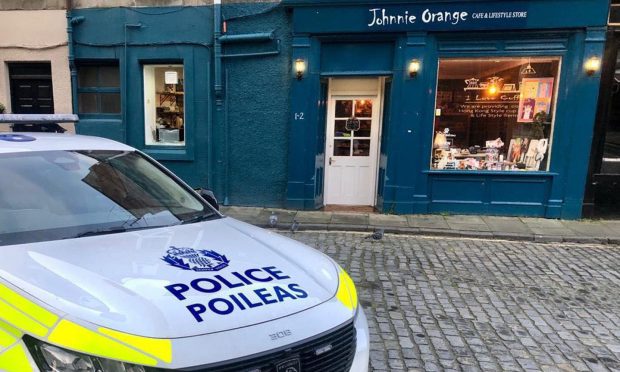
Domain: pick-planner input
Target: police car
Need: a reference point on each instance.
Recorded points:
(108, 262)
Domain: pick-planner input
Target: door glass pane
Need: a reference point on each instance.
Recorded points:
(87, 102)
(110, 103)
(342, 147)
(361, 147)
(340, 129)
(344, 109)
(364, 130)
(363, 108)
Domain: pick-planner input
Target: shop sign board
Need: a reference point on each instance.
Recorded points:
(441, 17)
(448, 16)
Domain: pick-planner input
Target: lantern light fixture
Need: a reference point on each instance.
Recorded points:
(592, 65)
(414, 67)
(300, 68)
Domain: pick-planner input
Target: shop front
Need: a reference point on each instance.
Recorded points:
(482, 107)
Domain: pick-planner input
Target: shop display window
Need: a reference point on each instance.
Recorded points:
(495, 113)
(164, 105)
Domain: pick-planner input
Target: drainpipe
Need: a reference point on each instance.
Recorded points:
(220, 109)
(71, 21)
(217, 47)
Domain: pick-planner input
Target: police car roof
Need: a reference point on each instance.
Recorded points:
(25, 142)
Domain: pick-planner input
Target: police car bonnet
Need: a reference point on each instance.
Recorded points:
(175, 281)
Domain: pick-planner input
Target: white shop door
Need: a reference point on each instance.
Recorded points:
(352, 136)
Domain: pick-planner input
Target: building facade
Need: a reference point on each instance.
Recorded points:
(34, 70)
(481, 107)
(602, 198)
(215, 112)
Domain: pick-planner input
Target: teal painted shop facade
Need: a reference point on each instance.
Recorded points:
(363, 39)
(408, 107)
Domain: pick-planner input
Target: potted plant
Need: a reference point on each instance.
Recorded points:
(2, 108)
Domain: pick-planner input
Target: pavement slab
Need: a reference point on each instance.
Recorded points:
(339, 218)
(427, 221)
(497, 227)
(313, 217)
(507, 225)
(387, 220)
(467, 223)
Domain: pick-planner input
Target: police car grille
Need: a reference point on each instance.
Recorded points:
(338, 359)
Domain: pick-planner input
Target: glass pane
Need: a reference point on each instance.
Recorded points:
(364, 130)
(110, 103)
(361, 147)
(87, 76)
(164, 105)
(363, 108)
(495, 113)
(87, 103)
(344, 109)
(109, 76)
(342, 147)
(340, 129)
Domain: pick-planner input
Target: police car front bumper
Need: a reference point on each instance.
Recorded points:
(362, 349)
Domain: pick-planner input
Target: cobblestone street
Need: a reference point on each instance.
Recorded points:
(466, 304)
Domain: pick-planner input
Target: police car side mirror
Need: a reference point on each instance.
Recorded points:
(209, 197)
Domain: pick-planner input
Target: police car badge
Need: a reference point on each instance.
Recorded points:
(196, 260)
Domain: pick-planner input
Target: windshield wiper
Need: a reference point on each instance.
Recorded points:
(100, 232)
(200, 218)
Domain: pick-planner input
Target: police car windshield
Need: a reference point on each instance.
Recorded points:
(51, 195)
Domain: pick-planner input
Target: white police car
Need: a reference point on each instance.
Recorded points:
(108, 262)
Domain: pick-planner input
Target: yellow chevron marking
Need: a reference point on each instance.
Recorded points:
(28, 307)
(15, 359)
(159, 348)
(78, 338)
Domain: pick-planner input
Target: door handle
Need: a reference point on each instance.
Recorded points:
(330, 160)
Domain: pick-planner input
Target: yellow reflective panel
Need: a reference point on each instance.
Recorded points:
(346, 291)
(10, 329)
(6, 339)
(33, 310)
(78, 338)
(159, 348)
(15, 359)
(19, 320)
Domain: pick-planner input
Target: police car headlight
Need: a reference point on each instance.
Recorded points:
(51, 358)
(347, 293)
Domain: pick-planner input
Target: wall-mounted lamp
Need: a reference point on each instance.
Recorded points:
(300, 68)
(592, 65)
(414, 67)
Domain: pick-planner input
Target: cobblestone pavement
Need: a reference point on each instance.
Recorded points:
(466, 304)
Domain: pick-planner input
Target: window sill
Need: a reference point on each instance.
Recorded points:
(493, 173)
(159, 153)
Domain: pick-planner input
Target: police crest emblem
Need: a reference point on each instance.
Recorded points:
(196, 260)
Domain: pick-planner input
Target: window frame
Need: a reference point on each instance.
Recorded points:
(157, 147)
(560, 55)
(98, 90)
